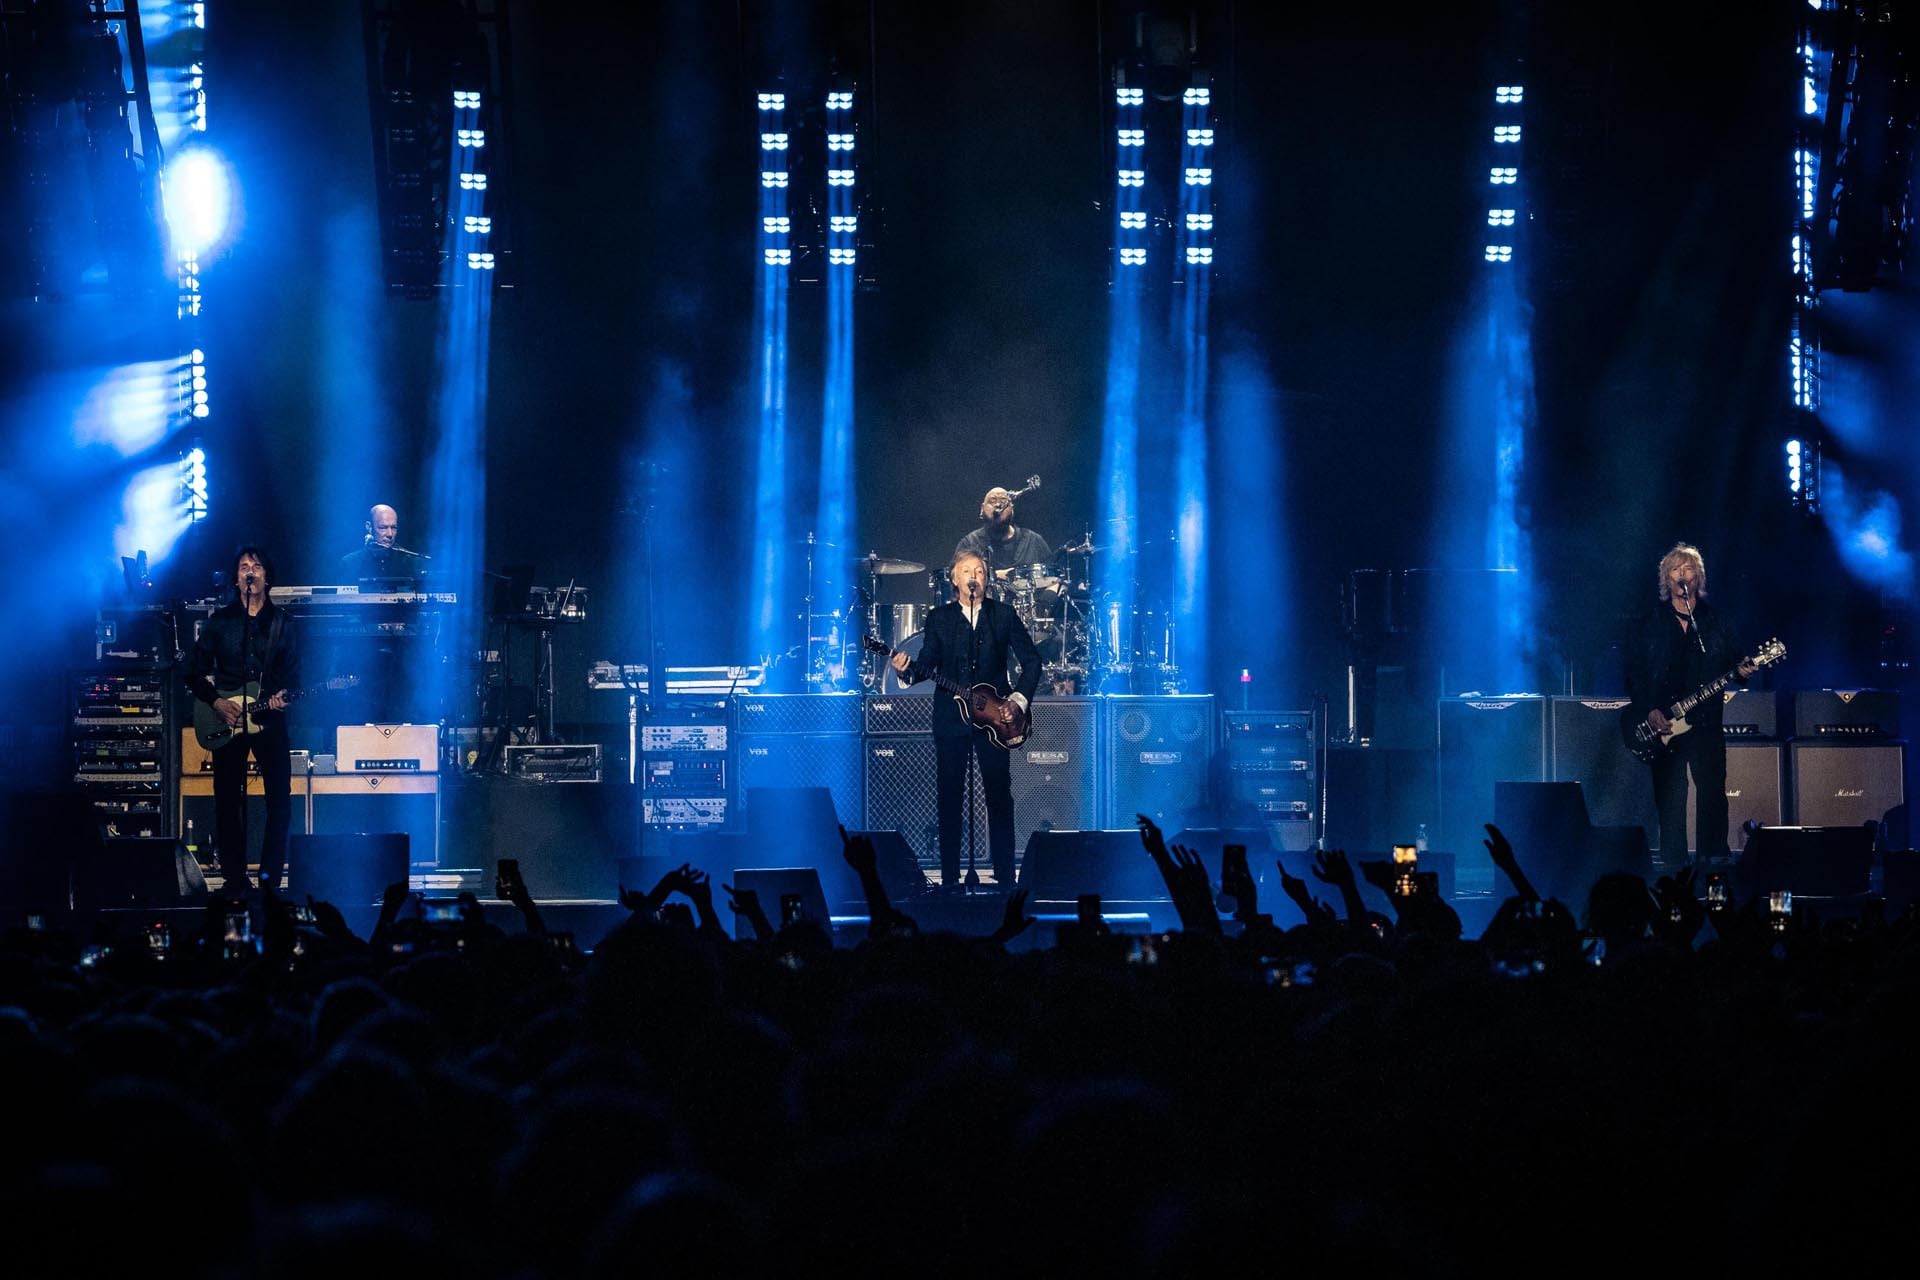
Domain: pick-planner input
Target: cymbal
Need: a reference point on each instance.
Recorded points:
(1084, 547)
(887, 564)
(811, 541)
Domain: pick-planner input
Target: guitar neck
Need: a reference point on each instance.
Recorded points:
(1711, 689)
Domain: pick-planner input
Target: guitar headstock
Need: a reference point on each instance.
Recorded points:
(874, 645)
(1769, 653)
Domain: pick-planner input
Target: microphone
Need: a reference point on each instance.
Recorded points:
(1032, 485)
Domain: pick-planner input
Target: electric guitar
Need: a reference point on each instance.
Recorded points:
(1650, 746)
(1006, 722)
(214, 733)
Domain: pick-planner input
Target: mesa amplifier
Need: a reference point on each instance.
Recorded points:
(387, 748)
(1158, 754)
(555, 762)
(1054, 777)
(1835, 714)
(790, 713)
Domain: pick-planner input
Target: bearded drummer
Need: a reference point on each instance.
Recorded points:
(1006, 548)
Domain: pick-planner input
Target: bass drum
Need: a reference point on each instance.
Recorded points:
(890, 679)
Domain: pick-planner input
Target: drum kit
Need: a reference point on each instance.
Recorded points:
(1089, 641)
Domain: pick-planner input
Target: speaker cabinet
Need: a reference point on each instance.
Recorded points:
(373, 803)
(797, 713)
(1055, 777)
(1484, 741)
(832, 761)
(569, 838)
(1159, 754)
(897, 713)
(346, 869)
(902, 795)
(1587, 749)
(153, 872)
(1750, 713)
(1847, 785)
(1062, 865)
(1755, 792)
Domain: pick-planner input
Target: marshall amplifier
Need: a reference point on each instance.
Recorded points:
(1847, 785)
(1756, 792)
(1835, 715)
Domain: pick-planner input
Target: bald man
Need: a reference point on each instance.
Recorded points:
(379, 556)
(1000, 542)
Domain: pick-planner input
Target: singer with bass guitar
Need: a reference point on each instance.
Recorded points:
(1682, 644)
(973, 641)
(249, 641)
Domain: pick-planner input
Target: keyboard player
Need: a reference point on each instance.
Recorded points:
(380, 558)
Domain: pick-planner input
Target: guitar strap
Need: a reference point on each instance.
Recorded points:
(273, 649)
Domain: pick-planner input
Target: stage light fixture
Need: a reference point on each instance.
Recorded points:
(198, 198)
(839, 177)
(475, 138)
(1135, 220)
(480, 262)
(478, 226)
(839, 142)
(1500, 217)
(779, 257)
(1133, 177)
(1499, 253)
(840, 257)
(773, 142)
(1509, 93)
(840, 101)
(842, 224)
(1199, 222)
(1196, 97)
(1199, 137)
(773, 178)
(1133, 137)
(1130, 97)
(1199, 177)
(772, 101)
(779, 226)
(465, 101)
(1505, 133)
(1133, 257)
(1199, 256)
(473, 182)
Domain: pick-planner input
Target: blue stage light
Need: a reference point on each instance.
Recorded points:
(839, 142)
(1201, 177)
(1135, 220)
(473, 182)
(1503, 177)
(465, 101)
(1130, 97)
(776, 226)
(1500, 217)
(1133, 137)
(779, 257)
(773, 178)
(840, 101)
(478, 226)
(840, 257)
(1198, 221)
(1199, 137)
(842, 224)
(1499, 253)
(1133, 257)
(773, 142)
(470, 137)
(1509, 93)
(772, 101)
(480, 261)
(1199, 255)
(839, 177)
(1504, 133)
(198, 200)
(1197, 97)
(1133, 177)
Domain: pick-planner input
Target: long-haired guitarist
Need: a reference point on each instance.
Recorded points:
(1682, 644)
(973, 640)
(249, 644)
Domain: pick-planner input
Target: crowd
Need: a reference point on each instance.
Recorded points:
(1656, 1079)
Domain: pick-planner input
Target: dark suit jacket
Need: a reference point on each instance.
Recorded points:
(969, 656)
(1664, 664)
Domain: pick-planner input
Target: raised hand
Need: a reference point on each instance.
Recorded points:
(1330, 867)
(1191, 891)
(1236, 881)
(1015, 920)
(859, 853)
(1152, 837)
(635, 901)
(675, 881)
(1504, 858)
(746, 902)
(327, 919)
(393, 898)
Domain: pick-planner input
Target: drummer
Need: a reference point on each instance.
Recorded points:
(1007, 548)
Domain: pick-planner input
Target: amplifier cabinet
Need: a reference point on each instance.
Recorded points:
(897, 713)
(901, 795)
(797, 713)
(373, 803)
(1846, 713)
(1484, 741)
(1750, 713)
(1056, 776)
(387, 748)
(1586, 748)
(805, 760)
(1846, 785)
(1159, 753)
(1756, 792)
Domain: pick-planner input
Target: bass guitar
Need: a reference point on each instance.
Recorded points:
(214, 733)
(1006, 722)
(1650, 746)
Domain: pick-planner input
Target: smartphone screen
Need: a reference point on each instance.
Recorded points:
(790, 910)
(1405, 855)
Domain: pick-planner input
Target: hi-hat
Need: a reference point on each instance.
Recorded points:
(1084, 547)
(878, 564)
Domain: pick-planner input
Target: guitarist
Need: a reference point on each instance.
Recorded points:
(972, 641)
(249, 640)
(1681, 645)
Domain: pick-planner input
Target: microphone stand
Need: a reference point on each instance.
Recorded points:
(972, 878)
(1693, 623)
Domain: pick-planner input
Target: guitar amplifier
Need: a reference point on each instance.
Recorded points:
(897, 713)
(387, 748)
(792, 713)
(1750, 713)
(1837, 714)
